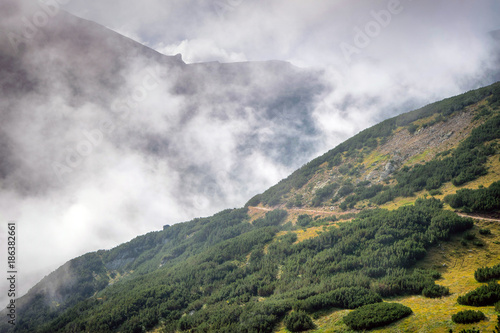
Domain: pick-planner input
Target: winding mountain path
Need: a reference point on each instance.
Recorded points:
(300, 210)
(479, 217)
(325, 212)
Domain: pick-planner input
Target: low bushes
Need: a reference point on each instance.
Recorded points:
(468, 317)
(298, 322)
(376, 315)
(485, 274)
(345, 298)
(482, 296)
(435, 291)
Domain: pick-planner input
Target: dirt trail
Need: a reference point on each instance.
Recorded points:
(300, 210)
(479, 217)
(325, 212)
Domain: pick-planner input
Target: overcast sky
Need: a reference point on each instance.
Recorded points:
(378, 48)
(304, 32)
(378, 59)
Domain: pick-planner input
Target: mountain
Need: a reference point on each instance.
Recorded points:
(70, 63)
(103, 138)
(97, 130)
(370, 225)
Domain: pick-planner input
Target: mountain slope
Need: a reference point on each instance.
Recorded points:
(97, 130)
(412, 136)
(245, 269)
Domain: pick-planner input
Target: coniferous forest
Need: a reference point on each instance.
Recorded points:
(346, 267)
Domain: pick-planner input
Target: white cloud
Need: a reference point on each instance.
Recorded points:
(187, 145)
(200, 50)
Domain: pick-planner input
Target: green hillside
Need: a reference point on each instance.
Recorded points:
(348, 161)
(364, 236)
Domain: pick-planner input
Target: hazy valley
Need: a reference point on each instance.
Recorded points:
(386, 219)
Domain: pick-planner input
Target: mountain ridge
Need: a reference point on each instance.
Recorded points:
(202, 240)
(95, 100)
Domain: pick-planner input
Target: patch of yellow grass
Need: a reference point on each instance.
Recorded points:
(308, 233)
(118, 276)
(266, 249)
(434, 315)
(401, 202)
(425, 120)
(302, 234)
(493, 166)
(375, 157)
(329, 323)
(420, 158)
(398, 129)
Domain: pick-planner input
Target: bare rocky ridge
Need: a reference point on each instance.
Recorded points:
(399, 149)
(403, 147)
(444, 135)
